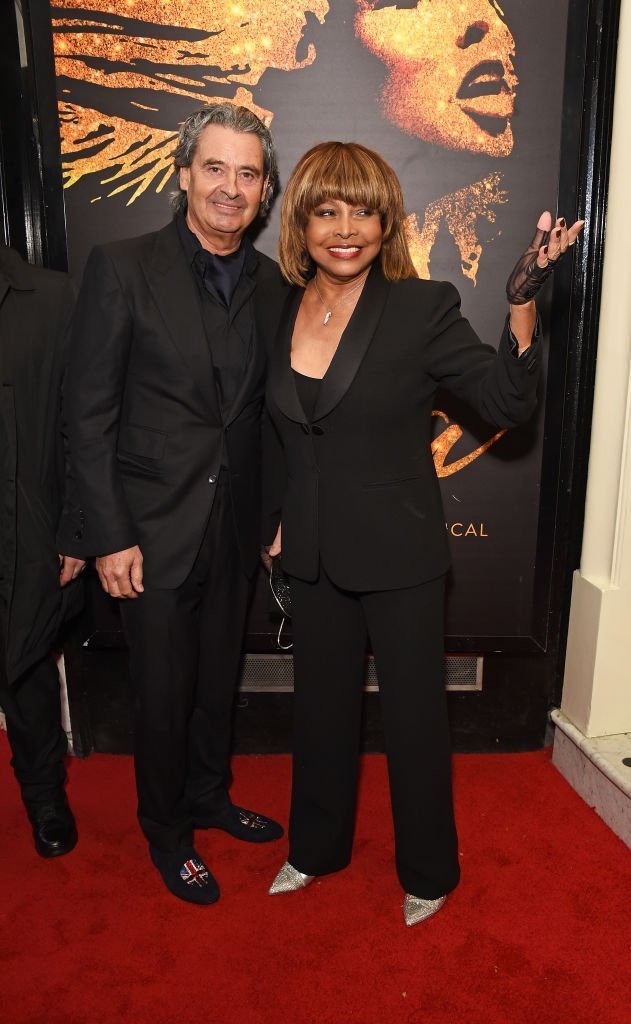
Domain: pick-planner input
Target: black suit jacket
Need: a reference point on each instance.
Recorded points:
(142, 414)
(35, 310)
(361, 491)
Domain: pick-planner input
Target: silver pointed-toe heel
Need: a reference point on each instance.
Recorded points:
(416, 909)
(289, 879)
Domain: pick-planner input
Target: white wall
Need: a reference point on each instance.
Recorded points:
(597, 684)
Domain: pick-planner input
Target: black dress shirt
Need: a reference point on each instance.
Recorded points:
(221, 286)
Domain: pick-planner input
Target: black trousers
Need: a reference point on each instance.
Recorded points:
(331, 627)
(38, 743)
(185, 654)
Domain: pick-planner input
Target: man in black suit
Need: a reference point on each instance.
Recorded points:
(163, 413)
(36, 588)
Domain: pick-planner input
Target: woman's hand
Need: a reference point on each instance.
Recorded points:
(548, 246)
(270, 551)
(69, 568)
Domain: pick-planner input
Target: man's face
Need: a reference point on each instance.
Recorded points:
(224, 185)
(451, 78)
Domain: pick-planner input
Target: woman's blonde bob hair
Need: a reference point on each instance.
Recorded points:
(355, 175)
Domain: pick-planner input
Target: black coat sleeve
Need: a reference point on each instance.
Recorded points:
(96, 520)
(500, 387)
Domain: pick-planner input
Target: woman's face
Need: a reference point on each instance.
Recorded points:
(342, 239)
(451, 79)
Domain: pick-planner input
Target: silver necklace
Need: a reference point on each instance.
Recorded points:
(329, 309)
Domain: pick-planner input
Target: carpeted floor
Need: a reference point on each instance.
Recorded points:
(537, 933)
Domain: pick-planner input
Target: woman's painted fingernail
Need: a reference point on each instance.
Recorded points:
(545, 250)
(562, 222)
(557, 233)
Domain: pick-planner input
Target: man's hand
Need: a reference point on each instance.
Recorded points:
(69, 568)
(269, 552)
(121, 573)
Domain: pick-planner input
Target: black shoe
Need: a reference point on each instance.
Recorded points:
(242, 824)
(185, 875)
(54, 829)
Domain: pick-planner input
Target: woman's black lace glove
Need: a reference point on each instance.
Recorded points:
(540, 258)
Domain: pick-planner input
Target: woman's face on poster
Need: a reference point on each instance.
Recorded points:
(451, 79)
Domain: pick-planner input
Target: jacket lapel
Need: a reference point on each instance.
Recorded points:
(281, 380)
(171, 283)
(353, 343)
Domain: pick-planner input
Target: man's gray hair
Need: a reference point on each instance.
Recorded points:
(238, 119)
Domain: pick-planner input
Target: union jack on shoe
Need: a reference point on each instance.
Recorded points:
(185, 875)
(194, 872)
(240, 823)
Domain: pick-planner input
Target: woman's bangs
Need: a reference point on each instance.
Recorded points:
(344, 176)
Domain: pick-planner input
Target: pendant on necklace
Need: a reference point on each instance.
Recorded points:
(329, 314)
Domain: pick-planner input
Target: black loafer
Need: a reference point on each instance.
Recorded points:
(185, 875)
(246, 825)
(54, 828)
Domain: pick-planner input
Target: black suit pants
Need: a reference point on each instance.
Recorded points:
(185, 654)
(405, 627)
(38, 743)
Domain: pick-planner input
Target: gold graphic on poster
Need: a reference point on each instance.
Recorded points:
(445, 441)
(107, 49)
(451, 79)
(450, 82)
(459, 211)
(218, 50)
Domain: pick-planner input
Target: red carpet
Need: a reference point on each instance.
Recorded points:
(537, 933)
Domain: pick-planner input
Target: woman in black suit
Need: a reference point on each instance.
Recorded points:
(363, 347)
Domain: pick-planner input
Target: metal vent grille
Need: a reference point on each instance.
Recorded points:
(274, 673)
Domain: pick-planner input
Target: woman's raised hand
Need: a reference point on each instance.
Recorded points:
(548, 246)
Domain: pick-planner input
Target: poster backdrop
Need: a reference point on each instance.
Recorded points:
(463, 97)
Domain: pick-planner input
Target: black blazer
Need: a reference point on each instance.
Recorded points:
(35, 310)
(360, 490)
(142, 414)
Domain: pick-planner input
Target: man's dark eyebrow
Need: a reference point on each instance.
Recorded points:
(222, 163)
